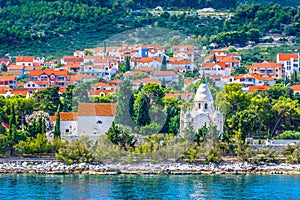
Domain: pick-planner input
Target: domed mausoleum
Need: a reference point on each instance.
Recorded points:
(203, 112)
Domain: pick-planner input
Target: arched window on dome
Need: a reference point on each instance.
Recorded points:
(205, 106)
(199, 105)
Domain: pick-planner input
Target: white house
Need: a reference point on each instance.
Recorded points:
(95, 118)
(188, 65)
(290, 63)
(167, 76)
(25, 60)
(37, 84)
(68, 123)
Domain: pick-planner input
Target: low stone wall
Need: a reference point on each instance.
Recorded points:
(55, 167)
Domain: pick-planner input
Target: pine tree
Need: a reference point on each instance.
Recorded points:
(164, 64)
(57, 132)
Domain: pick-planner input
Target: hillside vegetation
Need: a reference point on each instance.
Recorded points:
(61, 27)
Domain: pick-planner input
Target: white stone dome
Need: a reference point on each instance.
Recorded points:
(203, 94)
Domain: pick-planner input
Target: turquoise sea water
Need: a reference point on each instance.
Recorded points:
(149, 187)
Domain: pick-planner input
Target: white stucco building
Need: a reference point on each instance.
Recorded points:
(95, 118)
(203, 112)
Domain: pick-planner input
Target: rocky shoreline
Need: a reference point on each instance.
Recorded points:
(56, 167)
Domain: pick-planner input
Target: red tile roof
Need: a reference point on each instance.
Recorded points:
(25, 59)
(257, 88)
(265, 65)
(295, 87)
(49, 72)
(164, 73)
(287, 57)
(8, 78)
(65, 116)
(180, 62)
(97, 109)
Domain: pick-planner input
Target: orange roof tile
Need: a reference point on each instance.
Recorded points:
(265, 65)
(295, 87)
(19, 92)
(253, 88)
(49, 72)
(8, 78)
(11, 73)
(146, 59)
(25, 59)
(286, 57)
(101, 84)
(180, 62)
(97, 109)
(145, 69)
(115, 82)
(65, 116)
(164, 73)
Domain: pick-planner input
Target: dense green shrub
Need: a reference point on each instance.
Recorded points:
(292, 152)
(34, 145)
(77, 151)
(294, 135)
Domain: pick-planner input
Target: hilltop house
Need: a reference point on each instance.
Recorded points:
(166, 76)
(52, 76)
(10, 81)
(266, 68)
(289, 62)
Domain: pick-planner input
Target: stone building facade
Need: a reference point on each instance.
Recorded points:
(203, 112)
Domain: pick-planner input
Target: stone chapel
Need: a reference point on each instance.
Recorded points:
(203, 112)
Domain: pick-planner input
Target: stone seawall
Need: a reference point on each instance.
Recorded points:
(56, 167)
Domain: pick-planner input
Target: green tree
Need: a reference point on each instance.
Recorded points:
(57, 132)
(286, 113)
(68, 98)
(125, 100)
(3, 67)
(245, 122)
(164, 64)
(154, 91)
(201, 134)
(119, 136)
(141, 109)
(127, 64)
(47, 100)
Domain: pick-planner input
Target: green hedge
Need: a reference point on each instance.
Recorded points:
(289, 135)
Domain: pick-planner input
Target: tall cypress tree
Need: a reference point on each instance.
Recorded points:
(125, 101)
(164, 64)
(57, 132)
(141, 110)
(127, 64)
